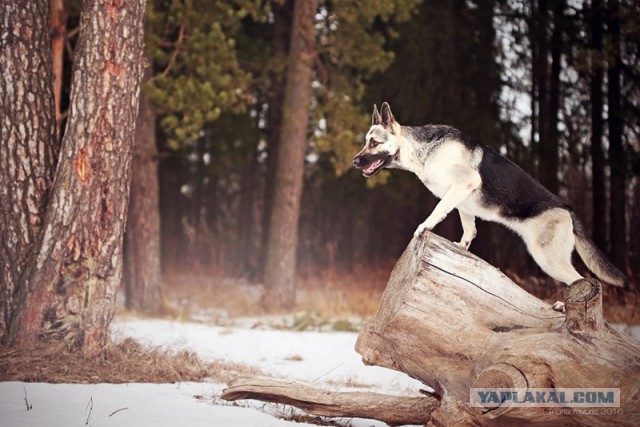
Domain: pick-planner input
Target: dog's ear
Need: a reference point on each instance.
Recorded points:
(387, 117)
(376, 118)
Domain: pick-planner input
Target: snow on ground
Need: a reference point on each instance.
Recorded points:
(324, 359)
(68, 405)
(315, 358)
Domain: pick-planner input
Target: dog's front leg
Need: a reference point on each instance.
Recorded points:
(469, 181)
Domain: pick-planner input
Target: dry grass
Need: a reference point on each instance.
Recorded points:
(334, 294)
(125, 362)
(621, 307)
(357, 292)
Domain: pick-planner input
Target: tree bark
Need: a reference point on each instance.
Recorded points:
(28, 146)
(454, 322)
(142, 284)
(74, 273)
(599, 200)
(283, 234)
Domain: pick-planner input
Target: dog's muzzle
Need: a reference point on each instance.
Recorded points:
(369, 164)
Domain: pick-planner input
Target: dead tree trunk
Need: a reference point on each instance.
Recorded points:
(454, 322)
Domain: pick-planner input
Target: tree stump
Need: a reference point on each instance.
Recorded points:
(454, 322)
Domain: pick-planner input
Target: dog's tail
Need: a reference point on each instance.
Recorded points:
(594, 258)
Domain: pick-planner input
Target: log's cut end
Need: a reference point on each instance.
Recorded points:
(583, 306)
(500, 376)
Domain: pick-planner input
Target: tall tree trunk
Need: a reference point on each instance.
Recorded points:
(58, 28)
(535, 119)
(198, 249)
(74, 273)
(549, 142)
(617, 155)
(173, 245)
(599, 199)
(275, 99)
(28, 146)
(142, 282)
(283, 236)
(542, 81)
(244, 257)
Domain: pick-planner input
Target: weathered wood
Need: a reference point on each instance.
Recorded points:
(394, 410)
(583, 305)
(455, 322)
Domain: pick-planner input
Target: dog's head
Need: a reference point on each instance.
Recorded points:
(382, 143)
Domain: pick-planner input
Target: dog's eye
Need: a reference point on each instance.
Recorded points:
(373, 143)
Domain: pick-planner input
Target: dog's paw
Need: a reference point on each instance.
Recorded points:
(420, 230)
(558, 306)
(428, 224)
(464, 244)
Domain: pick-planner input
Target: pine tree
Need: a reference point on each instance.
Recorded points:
(280, 265)
(28, 147)
(68, 285)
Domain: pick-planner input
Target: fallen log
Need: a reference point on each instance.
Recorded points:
(454, 322)
(394, 410)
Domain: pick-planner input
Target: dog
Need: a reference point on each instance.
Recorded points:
(472, 178)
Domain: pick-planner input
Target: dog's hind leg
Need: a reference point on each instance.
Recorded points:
(550, 242)
(551, 245)
(468, 229)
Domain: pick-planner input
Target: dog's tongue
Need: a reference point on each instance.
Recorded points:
(372, 167)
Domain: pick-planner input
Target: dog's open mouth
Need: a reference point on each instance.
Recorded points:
(375, 166)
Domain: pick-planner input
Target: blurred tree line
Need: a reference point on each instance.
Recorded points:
(551, 84)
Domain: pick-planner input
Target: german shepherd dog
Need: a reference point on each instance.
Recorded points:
(478, 182)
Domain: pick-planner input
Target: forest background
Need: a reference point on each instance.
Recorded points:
(552, 85)
(251, 111)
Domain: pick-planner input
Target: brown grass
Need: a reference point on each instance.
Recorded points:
(334, 294)
(125, 362)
